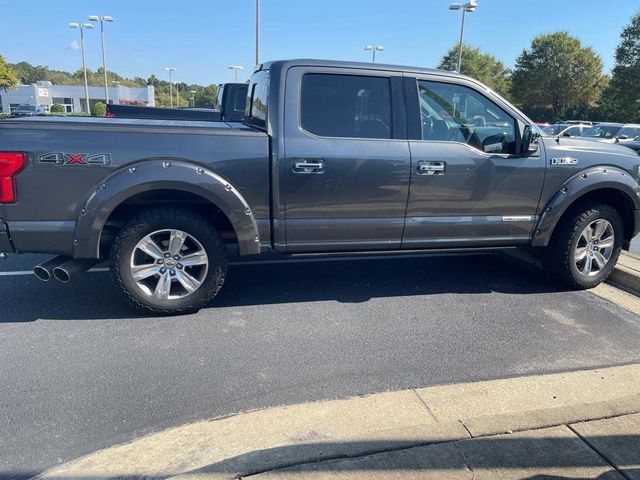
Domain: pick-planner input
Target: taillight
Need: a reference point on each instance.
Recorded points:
(10, 164)
(110, 114)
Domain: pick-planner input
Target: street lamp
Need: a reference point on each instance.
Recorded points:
(373, 49)
(236, 68)
(193, 98)
(81, 27)
(257, 32)
(170, 69)
(471, 6)
(106, 18)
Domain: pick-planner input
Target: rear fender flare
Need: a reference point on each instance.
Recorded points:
(595, 178)
(160, 174)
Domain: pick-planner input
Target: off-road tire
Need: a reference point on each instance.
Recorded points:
(160, 218)
(558, 257)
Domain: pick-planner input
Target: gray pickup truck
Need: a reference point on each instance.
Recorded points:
(331, 157)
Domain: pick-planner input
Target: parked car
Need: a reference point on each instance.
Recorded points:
(612, 132)
(27, 111)
(634, 145)
(331, 157)
(565, 130)
(229, 107)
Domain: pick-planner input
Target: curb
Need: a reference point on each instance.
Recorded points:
(275, 438)
(626, 274)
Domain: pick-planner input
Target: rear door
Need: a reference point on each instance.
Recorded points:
(345, 172)
(470, 186)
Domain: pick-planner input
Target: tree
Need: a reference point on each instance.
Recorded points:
(99, 109)
(206, 97)
(57, 108)
(481, 66)
(622, 98)
(8, 77)
(557, 74)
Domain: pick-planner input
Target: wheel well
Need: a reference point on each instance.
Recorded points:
(617, 199)
(132, 205)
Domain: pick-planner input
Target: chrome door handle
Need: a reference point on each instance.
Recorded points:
(431, 168)
(308, 166)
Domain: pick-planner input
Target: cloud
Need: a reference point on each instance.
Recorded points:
(74, 45)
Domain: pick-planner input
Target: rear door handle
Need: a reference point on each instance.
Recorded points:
(431, 168)
(306, 165)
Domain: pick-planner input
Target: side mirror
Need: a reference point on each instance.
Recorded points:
(622, 137)
(530, 138)
(566, 134)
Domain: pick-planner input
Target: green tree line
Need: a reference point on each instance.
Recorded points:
(26, 74)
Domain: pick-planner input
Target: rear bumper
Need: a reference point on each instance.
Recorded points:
(5, 239)
(52, 237)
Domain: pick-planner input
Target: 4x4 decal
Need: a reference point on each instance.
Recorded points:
(59, 158)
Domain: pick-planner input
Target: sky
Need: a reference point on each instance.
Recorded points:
(201, 38)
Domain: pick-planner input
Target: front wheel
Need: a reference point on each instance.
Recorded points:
(169, 261)
(585, 247)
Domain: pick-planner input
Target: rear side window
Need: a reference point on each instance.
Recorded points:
(347, 106)
(257, 100)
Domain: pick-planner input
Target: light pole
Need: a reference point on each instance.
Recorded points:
(193, 98)
(106, 18)
(257, 32)
(81, 27)
(236, 68)
(170, 69)
(471, 6)
(373, 49)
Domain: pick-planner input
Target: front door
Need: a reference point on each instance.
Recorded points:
(345, 171)
(470, 185)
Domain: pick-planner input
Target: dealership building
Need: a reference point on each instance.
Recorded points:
(72, 97)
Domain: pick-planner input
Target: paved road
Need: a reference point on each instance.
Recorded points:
(79, 372)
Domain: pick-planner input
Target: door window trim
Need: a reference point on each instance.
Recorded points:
(414, 119)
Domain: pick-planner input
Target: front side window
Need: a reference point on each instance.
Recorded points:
(629, 132)
(455, 113)
(347, 106)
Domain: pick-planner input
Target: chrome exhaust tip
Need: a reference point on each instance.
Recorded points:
(69, 269)
(44, 271)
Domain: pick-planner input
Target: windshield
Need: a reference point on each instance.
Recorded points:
(602, 131)
(257, 101)
(553, 129)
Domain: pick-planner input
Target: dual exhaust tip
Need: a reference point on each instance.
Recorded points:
(62, 269)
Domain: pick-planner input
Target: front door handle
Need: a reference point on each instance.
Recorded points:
(308, 166)
(431, 168)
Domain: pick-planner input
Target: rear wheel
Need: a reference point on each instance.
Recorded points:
(169, 261)
(585, 247)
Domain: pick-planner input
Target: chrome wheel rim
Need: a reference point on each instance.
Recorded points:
(594, 247)
(169, 264)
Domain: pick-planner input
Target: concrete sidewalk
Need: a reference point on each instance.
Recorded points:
(569, 425)
(603, 449)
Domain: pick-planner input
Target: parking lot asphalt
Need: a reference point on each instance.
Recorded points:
(81, 371)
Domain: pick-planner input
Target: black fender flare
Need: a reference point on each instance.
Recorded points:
(591, 179)
(159, 174)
